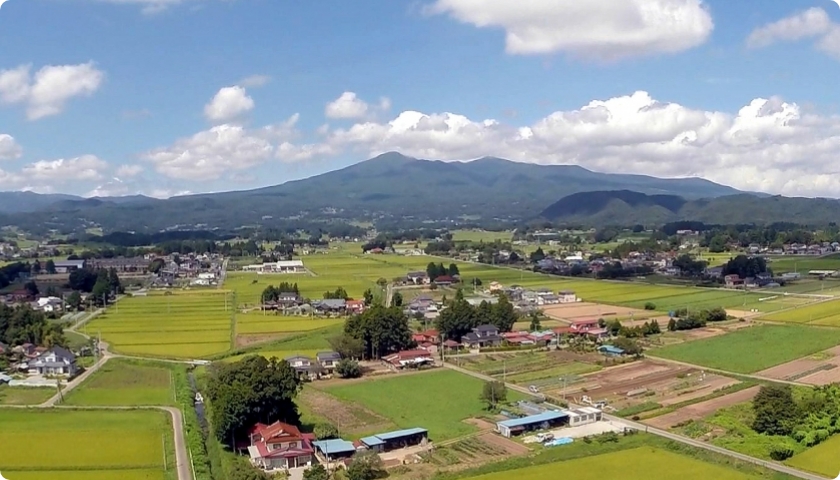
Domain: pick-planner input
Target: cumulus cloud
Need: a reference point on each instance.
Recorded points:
(768, 145)
(86, 167)
(9, 148)
(209, 154)
(48, 91)
(228, 104)
(594, 29)
(813, 23)
(349, 106)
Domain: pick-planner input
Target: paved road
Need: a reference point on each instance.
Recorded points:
(81, 378)
(182, 461)
(662, 433)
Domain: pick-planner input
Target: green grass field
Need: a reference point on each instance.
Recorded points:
(256, 322)
(634, 464)
(439, 401)
(184, 325)
(824, 313)
(752, 349)
(105, 445)
(821, 459)
(803, 264)
(122, 382)
(25, 395)
(308, 343)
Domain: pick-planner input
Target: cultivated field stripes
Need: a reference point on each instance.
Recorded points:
(824, 313)
(183, 325)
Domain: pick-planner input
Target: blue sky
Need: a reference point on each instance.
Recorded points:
(161, 97)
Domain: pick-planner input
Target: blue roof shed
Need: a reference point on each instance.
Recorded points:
(401, 433)
(610, 350)
(335, 446)
(533, 419)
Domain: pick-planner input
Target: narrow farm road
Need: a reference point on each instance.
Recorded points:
(81, 378)
(662, 433)
(653, 356)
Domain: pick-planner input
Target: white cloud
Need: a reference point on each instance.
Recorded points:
(128, 170)
(593, 29)
(9, 148)
(349, 106)
(228, 104)
(254, 81)
(812, 23)
(769, 145)
(808, 24)
(47, 92)
(209, 154)
(86, 167)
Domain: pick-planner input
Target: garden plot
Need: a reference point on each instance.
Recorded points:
(585, 310)
(627, 386)
(701, 410)
(818, 369)
(541, 369)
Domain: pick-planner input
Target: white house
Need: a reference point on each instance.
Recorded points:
(50, 304)
(56, 361)
(567, 296)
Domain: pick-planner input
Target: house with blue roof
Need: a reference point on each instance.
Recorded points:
(334, 449)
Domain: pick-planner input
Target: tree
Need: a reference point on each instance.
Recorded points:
(453, 270)
(630, 346)
(775, 410)
(493, 393)
(382, 282)
(366, 466)
(347, 346)
(397, 300)
(655, 329)
(650, 306)
(672, 325)
(536, 325)
(74, 300)
(254, 389)
(50, 267)
(325, 431)
(537, 255)
(458, 319)
(339, 294)
(31, 288)
(347, 368)
(504, 315)
(368, 296)
(156, 265)
(381, 330)
(316, 472)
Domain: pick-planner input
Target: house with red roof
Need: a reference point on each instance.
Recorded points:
(355, 306)
(279, 446)
(408, 358)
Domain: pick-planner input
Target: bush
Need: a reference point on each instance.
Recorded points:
(348, 368)
(324, 431)
(650, 306)
(780, 453)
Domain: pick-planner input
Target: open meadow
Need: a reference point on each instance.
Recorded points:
(103, 445)
(749, 350)
(821, 459)
(307, 343)
(633, 464)
(123, 382)
(439, 400)
(25, 395)
(182, 325)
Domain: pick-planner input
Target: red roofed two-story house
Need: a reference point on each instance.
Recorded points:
(279, 446)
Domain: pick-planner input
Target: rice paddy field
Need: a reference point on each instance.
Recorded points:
(259, 322)
(181, 325)
(752, 349)
(308, 343)
(481, 236)
(25, 395)
(124, 382)
(439, 401)
(821, 459)
(823, 313)
(84, 445)
(803, 264)
(633, 464)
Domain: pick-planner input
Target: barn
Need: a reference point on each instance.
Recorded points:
(542, 421)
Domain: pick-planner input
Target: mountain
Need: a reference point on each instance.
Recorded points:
(388, 186)
(624, 207)
(18, 202)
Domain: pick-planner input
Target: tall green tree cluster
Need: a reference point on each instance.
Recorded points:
(338, 294)
(254, 389)
(25, 325)
(435, 270)
(272, 293)
(380, 330)
(459, 317)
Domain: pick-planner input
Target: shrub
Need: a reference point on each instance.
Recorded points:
(650, 306)
(781, 453)
(324, 431)
(348, 368)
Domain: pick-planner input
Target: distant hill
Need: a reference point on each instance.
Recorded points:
(390, 185)
(624, 207)
(18, 202)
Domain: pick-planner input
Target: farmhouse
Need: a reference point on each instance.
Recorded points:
(386, 442)
(49, 304)
(330, 305)
(542, 421)
(355, 306)
(67, 266)
(121, 264)
(283, 266)
(279, 445)
(408, 358)
(567, 296)
(417, 278)
(583, 416)
(304, 366)
(482, 336)
(328, 361)
(56, 361)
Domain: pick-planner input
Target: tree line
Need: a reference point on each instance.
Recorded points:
(460, 317)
